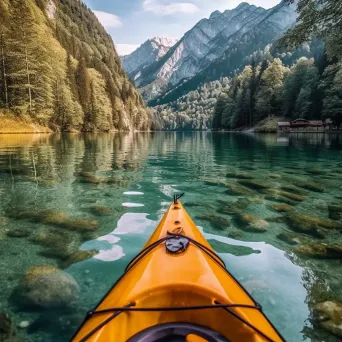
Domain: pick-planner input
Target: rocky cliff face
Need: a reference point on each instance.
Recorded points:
(148, 53)
(223, 36)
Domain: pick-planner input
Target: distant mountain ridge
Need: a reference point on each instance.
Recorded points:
(225, 38)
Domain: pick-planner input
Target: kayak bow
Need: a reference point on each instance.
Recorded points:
(177, 289)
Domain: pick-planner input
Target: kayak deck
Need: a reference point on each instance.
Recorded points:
(177, 278)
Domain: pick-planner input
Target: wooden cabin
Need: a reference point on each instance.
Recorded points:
(304, 125)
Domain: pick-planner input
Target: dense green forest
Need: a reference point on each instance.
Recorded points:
(59, 68)
(310, 88)
(192, 111)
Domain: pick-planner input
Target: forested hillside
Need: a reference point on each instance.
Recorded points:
(192, 111)
(311, 88)
(271, 88)
(59, 68)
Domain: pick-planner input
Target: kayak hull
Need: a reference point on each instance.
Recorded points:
(190, 277)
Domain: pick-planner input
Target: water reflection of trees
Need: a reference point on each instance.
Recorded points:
(44, 171)
(320, 286)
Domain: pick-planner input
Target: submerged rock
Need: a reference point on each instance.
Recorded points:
(48, 287)
(276, 219)
(218, 222)
(59, 244)
(238, 175)
(309, 185)
(310, 225)
(320, 250)
(290, 238)
(280, 199)
(281, 208)
(214, 182)
(100, 210)
(274, 175)
(221, 247)
(7, 328)
(51, 216)
(335, 211)
(256, 200)
(280, 194)
(81, 224)
(237, 190)
(19, 233)
(236, 207)
(315, 171)
(235, 235)
(46, 216)
(254, 184)
(78, 257)
(252, 223)
(330, 317)
(295, 190)
(51, 238)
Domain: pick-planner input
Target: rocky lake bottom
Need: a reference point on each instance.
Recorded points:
(75, 209)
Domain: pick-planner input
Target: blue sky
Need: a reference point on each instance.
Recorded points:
(131, 22)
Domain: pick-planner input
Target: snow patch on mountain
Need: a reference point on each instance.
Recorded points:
(148, 53)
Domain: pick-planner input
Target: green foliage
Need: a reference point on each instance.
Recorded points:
(271, 89)
(191, 111)
(332, 87)
(68, 113)
(59, 65)
(320, 19)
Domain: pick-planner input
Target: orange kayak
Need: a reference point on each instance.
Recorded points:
(177, 289)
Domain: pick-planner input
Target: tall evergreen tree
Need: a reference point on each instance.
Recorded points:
(3, 56)
(84, 89)
(71, 77)
(217, 117)
(22, 45)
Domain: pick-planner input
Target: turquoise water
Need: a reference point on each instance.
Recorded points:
(125, 183)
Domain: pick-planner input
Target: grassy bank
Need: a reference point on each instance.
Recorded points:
(15, 124)
(268, 125)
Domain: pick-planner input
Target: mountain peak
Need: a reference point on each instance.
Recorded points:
(147, 54)
(215, 15)
(164, 41)
(243, 5)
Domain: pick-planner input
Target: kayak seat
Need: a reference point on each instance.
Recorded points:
(177, 332)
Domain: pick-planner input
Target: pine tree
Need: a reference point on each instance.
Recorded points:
(253, 84)
(301, 81)
(22, 45)
(84, 89)
(124, 91)
(331, 85)
(71, 78)
(270, 88)
(217, 117)
(3, 56)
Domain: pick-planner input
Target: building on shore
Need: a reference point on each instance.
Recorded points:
(305, 125)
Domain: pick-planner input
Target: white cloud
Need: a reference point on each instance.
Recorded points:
(108, 20)
(125, 49)
(172, 8)
(230, 4)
